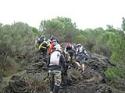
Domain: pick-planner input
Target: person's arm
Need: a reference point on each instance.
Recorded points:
(63, 61)
(48, 61)
(49, 49)
(85, 52)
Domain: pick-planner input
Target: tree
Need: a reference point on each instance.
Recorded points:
(123, 24)
(61, 27)
(16, 42)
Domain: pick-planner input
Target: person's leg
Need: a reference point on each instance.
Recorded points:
(58, 80)
(51, 79)
(64, 79)
(56, 89)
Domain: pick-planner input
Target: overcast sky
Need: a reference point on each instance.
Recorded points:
(86, 13)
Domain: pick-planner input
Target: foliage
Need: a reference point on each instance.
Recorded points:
(61, 27)
(123, 24)
(16, 41)
(109, 42)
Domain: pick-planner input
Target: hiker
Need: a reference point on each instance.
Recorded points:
(56, 64)
(81, 56)
(79, 48)
(53, 42)
(69, 51)
(54, 38)
(39, 40)
(42, 46)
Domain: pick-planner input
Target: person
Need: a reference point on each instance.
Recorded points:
(42, 45)
(68, 47)
(69, 51)
(79, 48)
(54, 38)
(39, 40)
(56, 65)
(52, 44)
(81, 56)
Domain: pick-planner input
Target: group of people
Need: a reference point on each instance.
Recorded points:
(59, 57)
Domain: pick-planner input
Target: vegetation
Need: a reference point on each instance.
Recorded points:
(17, 43)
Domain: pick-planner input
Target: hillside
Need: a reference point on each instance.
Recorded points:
(19, 61)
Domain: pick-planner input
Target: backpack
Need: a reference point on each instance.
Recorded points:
(55, 58)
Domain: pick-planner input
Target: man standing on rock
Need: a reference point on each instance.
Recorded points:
(56, 64)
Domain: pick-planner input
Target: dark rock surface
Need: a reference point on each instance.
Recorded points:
(1, 77)
(35, 79)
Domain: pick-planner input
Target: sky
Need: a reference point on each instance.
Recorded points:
(85, 13)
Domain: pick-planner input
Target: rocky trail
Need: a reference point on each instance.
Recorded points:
(35, 78)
